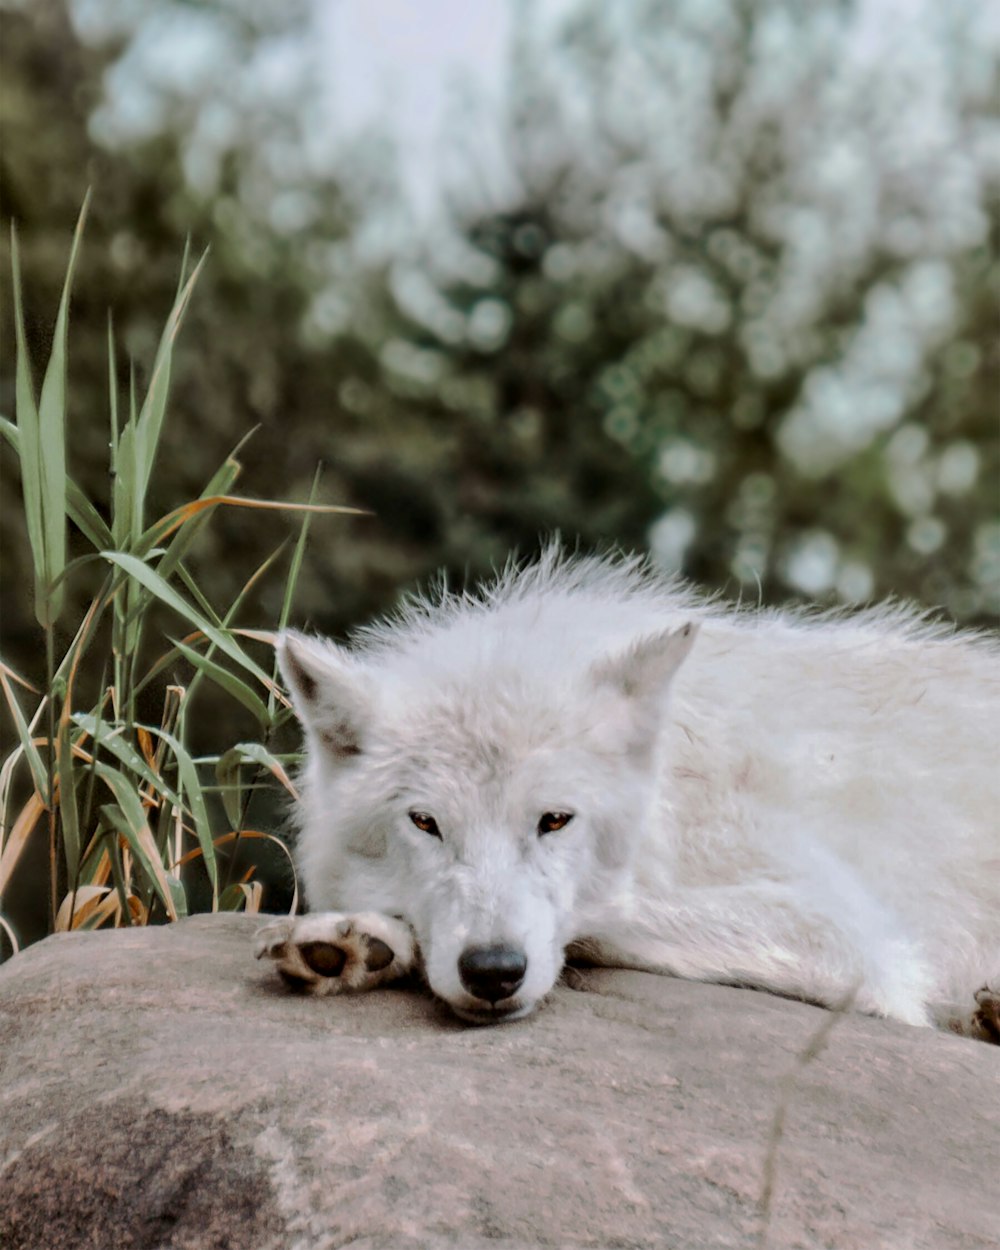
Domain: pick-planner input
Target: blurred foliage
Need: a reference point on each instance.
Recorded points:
(726, 311)
(773, 284)
(450, 485)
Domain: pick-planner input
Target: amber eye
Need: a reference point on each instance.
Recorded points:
(551, 821)
(426, 823)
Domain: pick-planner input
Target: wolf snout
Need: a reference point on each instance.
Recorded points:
(492, 972)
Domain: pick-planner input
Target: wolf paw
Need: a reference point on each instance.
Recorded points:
(986, 1018)
(330, 953)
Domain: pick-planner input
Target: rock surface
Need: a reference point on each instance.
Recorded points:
(161, 1089)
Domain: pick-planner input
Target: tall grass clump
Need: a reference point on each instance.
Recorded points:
(131, 822)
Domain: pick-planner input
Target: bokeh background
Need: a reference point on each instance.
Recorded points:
(714, 278)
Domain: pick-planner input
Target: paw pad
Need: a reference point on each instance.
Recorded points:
(323, 957)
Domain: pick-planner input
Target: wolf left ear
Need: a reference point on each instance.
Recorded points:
(328, 689)
(641, 675)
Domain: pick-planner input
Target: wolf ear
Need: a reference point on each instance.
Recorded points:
(328, 691)
(642, 674)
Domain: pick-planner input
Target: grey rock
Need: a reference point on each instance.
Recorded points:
(161, 1089)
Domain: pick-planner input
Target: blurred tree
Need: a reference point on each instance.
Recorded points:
(288, 329)
(745, 291)
(799, 209)
(758, 244)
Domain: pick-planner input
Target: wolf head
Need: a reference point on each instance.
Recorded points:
(492, 799)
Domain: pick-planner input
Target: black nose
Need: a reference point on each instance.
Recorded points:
(492, 972)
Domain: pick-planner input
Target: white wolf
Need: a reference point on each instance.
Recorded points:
(587, 757)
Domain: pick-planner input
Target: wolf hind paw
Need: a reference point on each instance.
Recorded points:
(333, 953)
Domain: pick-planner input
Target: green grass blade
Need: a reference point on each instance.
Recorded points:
(81, 511)
(182, 275)
(29, 451)
(67, 803)
(150, 423)
(227, 774)
(110, 740)
(134, 827)
(255, 753)
(220, 483)
(198, 595)
(39, 773)
(191, 784)
(112, 395)
(179, 896)
(152, 581)
(228, 681)
(52, 439)
(122, 496)
(300, 547)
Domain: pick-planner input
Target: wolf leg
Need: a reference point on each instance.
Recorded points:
(330, 952)
(765, 936)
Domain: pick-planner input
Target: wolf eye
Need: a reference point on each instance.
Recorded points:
(551, 821)
(425, 823)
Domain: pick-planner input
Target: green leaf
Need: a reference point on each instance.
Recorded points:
(178, 894)
(67, 803)
(296, 564)
(123, 525)
(220, 483)
(258, 754)
(191, 784)
(29, 450)
(82, 512)
(52, 440)
(198, 595)
(227, 773)
(110, 740)
(39, 773)
(149, 578)
(112, 397)
(229, 682)
(150, 422)
(133, 826)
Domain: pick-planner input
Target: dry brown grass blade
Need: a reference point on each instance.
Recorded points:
(253, 891)
(78, 753)
(27, 819)
(259, 635)
(81, 903)
(223, 840)
(15, 945)
(196, 635)
(139, 913)
(814, 1046)
(250, 834)
(109, 908)
(80, 647)
(21, 681)
(277, 770)
(147, 748)
(102, 870)
(174, 520)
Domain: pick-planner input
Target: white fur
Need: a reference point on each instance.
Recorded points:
(812, 811)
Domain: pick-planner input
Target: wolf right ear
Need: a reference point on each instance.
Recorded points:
(328, 691)
(640, 677)
(647, 667)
